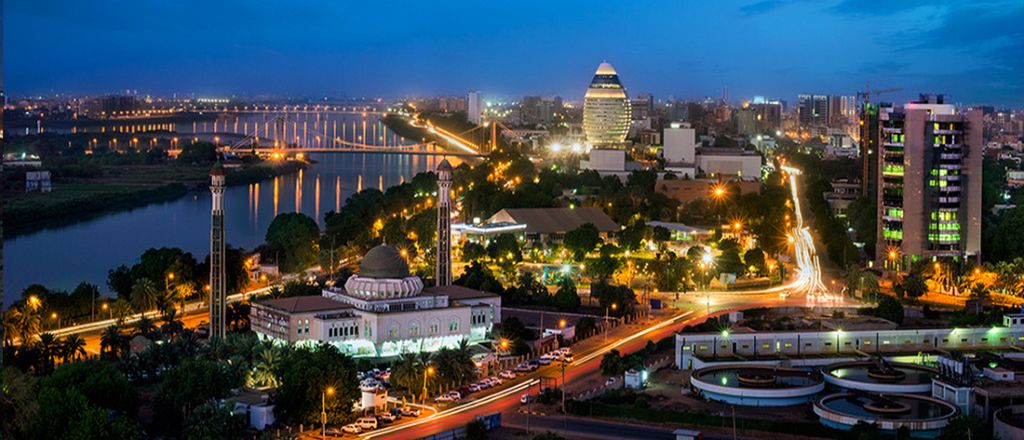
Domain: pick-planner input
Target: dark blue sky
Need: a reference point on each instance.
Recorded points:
(973, 51)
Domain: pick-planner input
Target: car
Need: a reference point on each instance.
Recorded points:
(565, 351)
(534, 363)
(368, 423)
(566, 358)
(544, 360)
(508, 374)
(454, 395)
(610, 381)
(410, 412)
(443, 398)
(526, 399)
(352, 428)
(474, 388)
(387, 417)
(524, 368)
(495, 381)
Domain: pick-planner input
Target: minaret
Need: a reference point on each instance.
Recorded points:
(443, 266)
(218, 284)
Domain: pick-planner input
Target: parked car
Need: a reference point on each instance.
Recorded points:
(368, 423)
(455, 395)
(408, 411)
(565, 351)
(352, 428)
(494, 381)
(534, 364)
(525, 399)
(524, 368)
(474, 388)
(508, 374)
(443, 398)
(387, 417)
(544, 360)
(610, 381)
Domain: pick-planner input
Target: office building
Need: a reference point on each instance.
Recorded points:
(680, 145)
(642, 106)
(535, 110)
(929, 189)
(769, 115)
(474, 106)
(812, 110)
(606, 109)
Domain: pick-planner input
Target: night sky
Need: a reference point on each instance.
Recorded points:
(972, 51)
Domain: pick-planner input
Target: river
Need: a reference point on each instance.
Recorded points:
(60, 258)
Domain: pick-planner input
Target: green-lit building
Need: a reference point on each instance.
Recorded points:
(929, 188)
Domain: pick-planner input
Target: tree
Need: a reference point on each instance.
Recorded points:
(120, 281)
(913, 284)
(111, 341)
(144, 295)
(611, 363)
(120, 309)
(888, 308)
(566, 299)
(582, 240)
(755, 258)
(198, 153)
(215, 420)
(660, 234)
(90, 399)
(294, 237)
(621, 296)
(194, 382)
(506, 247)
(146, 327)
(304, 374)
(631, 237)
(74, 347)
(472, 251)
(669, 272)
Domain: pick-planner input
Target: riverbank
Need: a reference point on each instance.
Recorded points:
(124, 188)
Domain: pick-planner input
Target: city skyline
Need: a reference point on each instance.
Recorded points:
(972, 53)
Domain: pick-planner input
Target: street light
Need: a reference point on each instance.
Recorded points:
(429, 371)
(323, 410)
(106, 308)
(613, 307)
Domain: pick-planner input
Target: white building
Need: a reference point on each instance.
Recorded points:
(680, 144)
(381, 312)
(729, 162)
(475, 107)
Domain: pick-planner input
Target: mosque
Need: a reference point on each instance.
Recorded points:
(384, 310)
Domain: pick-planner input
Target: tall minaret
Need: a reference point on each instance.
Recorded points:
(218, 283)
(443, 267)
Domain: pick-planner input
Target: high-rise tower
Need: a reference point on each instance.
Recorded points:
(443, 267)
(606, 108)
(929, 183)
(218, 284)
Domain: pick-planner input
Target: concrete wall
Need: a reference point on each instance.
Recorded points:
(797, 344)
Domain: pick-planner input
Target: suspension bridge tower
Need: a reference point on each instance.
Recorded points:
(443, 266)
(218, 284)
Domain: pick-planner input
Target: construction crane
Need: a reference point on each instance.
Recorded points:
(867, 93)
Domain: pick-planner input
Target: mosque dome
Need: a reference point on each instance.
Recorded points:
(384, 262)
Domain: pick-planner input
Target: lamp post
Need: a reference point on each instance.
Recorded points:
(106, 308)
(613, 307)
(429, 371)
(323, 410)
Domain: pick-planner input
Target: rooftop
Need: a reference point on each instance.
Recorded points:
(303, 304)
(555, 220)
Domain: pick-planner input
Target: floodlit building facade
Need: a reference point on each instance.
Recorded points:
(606, 108)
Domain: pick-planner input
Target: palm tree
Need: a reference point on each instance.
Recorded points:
(120, 310)
(172, 325)
(48, 349)
(144, 295)
(111, 341)
(145, 327)
(406, 373)
(74, 347)
(12, 328)
(262, 374)
(183, 291)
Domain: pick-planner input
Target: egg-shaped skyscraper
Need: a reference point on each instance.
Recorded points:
(606, 111)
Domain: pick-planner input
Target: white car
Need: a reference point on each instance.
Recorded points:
(545, 360)
(387, 417)
(508, 374)
(443, 398)
(527, 398)
(410, 412)
(565, 351)
(610, 381)
(474, 388)
(367, 423)
(494, 381)
(352, 428)
(455, 395)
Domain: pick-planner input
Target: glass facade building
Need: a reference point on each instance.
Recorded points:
(606, 109)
